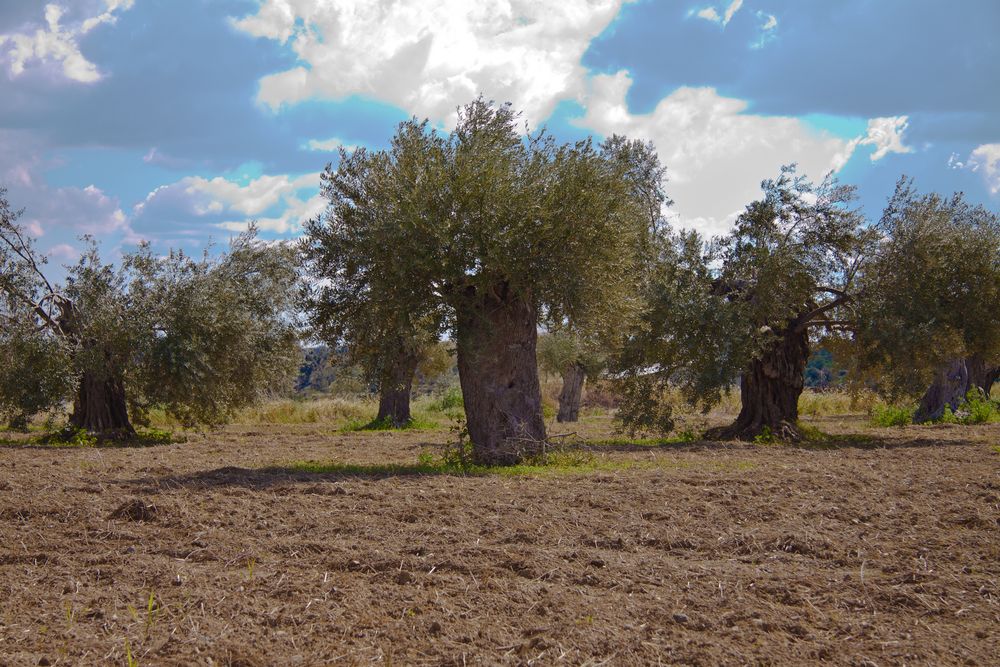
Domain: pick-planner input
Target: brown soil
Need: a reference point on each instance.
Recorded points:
(877, 552)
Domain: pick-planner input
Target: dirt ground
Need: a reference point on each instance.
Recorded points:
(882, 551)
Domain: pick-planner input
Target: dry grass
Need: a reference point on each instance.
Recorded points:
(296, 544)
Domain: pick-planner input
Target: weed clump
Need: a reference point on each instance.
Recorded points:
(890, 415)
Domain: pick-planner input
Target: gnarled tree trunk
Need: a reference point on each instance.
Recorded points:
(770, 390)
(572, 390)
(497, 368)
(100, 407)
(992, 377)
(952, 384)
(395, 389)
(982, 375)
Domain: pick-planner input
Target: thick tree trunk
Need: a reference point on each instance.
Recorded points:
(572, 390)
(992, 377)
(100, 407)
(496, 338)
(952, 384)
(395, 390)
(982, 375)
(770, 390)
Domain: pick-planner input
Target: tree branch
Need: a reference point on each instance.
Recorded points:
(804, 320)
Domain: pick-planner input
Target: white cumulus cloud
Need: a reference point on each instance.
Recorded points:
(886, 135)
(712, 14)
(55, 43)
(715, 153)
(330, 145)
(430, 57)
(231, 205)
(986, 159)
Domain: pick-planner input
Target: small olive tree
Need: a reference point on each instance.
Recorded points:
(199, 338)
(487, 232)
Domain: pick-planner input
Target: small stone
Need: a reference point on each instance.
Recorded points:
(44, 661)
(681, 618)
(434, 628)
(597, 562)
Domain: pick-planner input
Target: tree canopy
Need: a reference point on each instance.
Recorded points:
(746, 305)
(198, 337)
(485, 232)
(931, 295)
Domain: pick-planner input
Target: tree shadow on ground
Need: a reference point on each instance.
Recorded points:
(271, 477)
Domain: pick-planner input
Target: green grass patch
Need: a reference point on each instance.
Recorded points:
(571, 462)
(79, 438)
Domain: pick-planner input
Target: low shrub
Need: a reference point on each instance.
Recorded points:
(890, 415)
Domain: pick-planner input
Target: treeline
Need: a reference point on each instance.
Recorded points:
(483, 237)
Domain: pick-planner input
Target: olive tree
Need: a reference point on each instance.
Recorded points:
(574, 356)
(929, 319)
(488, 231)
(199, 338)
(747, 307)
(360, 297)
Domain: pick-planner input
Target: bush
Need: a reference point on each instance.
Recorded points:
(451, 399)
(978, 409)
(891, 415)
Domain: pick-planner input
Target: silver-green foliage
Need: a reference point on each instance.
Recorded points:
(790, 263)
(931, 291)
(197, 337)
(417, 232)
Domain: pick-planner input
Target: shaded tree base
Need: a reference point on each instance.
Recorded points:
(100, 408)
(784, 431)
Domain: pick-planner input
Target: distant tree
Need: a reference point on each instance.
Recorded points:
(929, 321)
(199, 338)
(574, 357)
(486, 232)
(361, 297)
(747, 308)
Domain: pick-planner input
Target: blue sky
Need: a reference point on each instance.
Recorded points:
(179, 121)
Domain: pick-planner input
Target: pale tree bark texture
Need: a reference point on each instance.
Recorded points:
(952, 383)
(100, 407)
(496, 339)
(770, 390)
(573, 379)
(396, 388)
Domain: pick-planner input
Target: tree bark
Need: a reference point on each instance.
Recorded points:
(497, 367)
(770, 390)
(100, 407)
(396, 388)
(992, 377)
(572, 390)
(952, 384)
(982, 375)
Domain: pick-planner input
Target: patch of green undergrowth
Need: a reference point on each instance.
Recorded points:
(75, 437)
(890, 415)
(568, 461)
